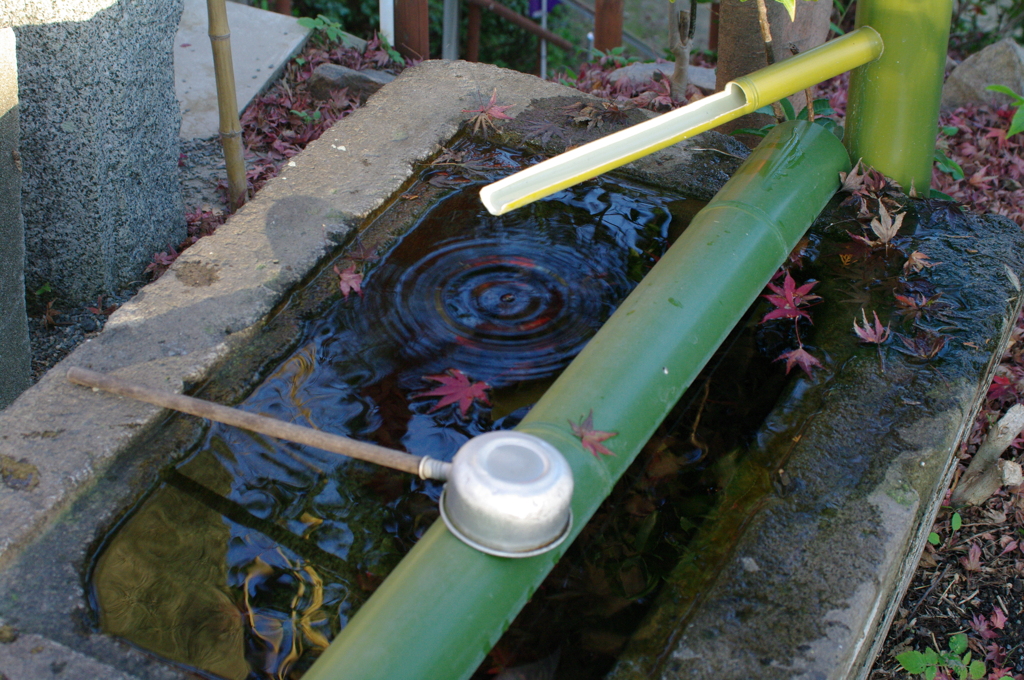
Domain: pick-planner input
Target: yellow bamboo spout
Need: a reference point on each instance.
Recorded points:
(740, 97)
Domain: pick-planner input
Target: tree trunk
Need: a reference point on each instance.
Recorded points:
(741, 50)
(680, 18)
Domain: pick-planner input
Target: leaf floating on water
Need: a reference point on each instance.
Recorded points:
(799, 357)
(349, 280)
(590, 437)
(789, 299)
(456, 387)
(873, 334)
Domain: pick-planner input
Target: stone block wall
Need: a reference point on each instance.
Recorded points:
(99, 139)
(15, 354)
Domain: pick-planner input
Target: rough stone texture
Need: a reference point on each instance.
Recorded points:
(329, 77)
(702, 77)
(799, 578)
(998, 64)
(99, 139)
(15, 353)
(31, 657)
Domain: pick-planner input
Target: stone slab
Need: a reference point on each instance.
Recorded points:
(801, 579)
(999, 64)
(702, 77)
(261, 44)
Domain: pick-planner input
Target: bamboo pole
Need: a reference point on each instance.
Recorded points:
(227, 103)
(428, 468)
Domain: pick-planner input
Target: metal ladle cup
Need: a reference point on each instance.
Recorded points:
(508, 494)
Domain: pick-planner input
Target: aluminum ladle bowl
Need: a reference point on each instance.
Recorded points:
(508, 494)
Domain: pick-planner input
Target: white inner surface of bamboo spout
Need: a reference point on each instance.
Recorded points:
(607, 153)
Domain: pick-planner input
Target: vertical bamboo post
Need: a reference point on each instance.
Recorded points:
(411, 37)
(607, 24)
(227, 103)
(893, 112)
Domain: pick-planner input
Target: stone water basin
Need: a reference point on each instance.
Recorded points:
(849, 524)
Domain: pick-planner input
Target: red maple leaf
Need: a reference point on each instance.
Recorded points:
(998, 618)
(590, 437)
(349, 280)
(456, 387)
(868, 333)
(488, 113)
(789, 299)
(799, 357)
(973, 560)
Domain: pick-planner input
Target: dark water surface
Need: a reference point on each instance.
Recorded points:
(253, 553)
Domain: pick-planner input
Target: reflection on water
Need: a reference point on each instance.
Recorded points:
(253, 553)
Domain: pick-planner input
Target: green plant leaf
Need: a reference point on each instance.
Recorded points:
(836, 29)
(760, 132)
(977, 670)
(306, 22)
(790, 6)
(1017, 124)
(912, 661)
(930, 672)
(948, 165)
(958, 643)
(941, 196)
(934, 539)
(787, 107)
(1003, 89)
(950, 130)
(956, 522)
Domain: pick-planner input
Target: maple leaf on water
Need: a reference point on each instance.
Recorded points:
(799, 357)
(590, 437)
(349, 280)
(853, 181)
(917, 261)
(488, 113)
(456, 387)
(874, 334)
(886, 226)
(789, 298)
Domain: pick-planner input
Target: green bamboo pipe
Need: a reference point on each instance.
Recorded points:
(893, 111)
(445, 605)
(227, 102)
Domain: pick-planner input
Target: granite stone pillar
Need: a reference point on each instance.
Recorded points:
(99, 139)
(15, 354)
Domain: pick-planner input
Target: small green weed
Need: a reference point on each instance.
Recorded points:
(332, 29)
(1017, 124)
(955, 662)
(822, 108)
